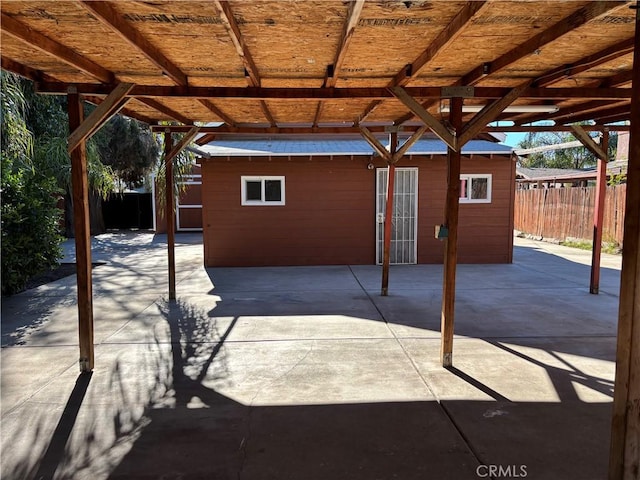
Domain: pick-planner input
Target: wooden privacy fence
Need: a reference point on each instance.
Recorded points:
(560, 213)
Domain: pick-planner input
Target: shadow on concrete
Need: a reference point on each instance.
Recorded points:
(60, 437)
(162, 415)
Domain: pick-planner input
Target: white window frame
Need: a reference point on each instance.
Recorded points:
(243, 182)
(468, 177)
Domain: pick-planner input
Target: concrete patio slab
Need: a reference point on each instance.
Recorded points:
(306, 372)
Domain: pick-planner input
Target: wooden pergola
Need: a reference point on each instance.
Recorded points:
(255, 67)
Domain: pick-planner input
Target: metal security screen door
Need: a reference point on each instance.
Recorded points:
(405, 214)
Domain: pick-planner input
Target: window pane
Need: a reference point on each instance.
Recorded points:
(272, 191)
(479, 188)
(254, 190)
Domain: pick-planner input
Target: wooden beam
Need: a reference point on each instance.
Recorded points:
(170, 201)
(588, 142)
(45, 44)
(624, 460)
(108, 16)
(204, 139)
(226, 16)
(592, 113)
(124, 111)
(170, 113)
(375, 143)
(267, 113)
(617, 80)
(436, 127)
(582, 16)
(488, 114)
(82, 233)
(388, 214)
(353, 16)
(316, 117)
(337, 130)
(598, 217)
(109, 107)
(183, 143)
(321, 93)
(213, 108)
(409, 143)
(251, 69)
(444, 38)
(584, 64)
(452, 206)
(25, 71)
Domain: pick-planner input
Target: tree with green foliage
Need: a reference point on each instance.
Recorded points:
(575, 158)
(129, 148)
(29, 216)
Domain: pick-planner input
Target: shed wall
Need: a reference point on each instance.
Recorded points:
(329, 215)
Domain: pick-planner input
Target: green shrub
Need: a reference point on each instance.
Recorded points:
(30, 223)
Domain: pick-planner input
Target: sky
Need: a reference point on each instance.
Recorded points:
(514, 138)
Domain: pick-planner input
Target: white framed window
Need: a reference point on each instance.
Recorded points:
(262, 190)
(475, 188)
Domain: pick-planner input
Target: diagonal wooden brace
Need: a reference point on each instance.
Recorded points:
(442, 132)
(588, 142)
(103, 112)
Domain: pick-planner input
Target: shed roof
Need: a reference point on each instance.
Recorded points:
(336, 146)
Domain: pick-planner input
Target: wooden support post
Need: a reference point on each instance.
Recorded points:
(80, 196)
(624, 460)
(598, 217)
(388, 214)
(451, 243)
(171, 218)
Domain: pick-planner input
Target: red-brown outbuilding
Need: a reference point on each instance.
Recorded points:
(321, 202)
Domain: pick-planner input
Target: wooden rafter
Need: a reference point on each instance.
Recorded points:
(615, 80)
(109, 107)
(582, 16)
(63, 53)
(124, 111)
(444, 38)
(488, 114)
(107, 15)
(584, 64)
(226, 16)
(251, 69)
(226, 118)
(588, 142)
(578, 18)
(204, 139)
(595, 114)
(25, 71)
(353, 16)
(45, 44)
(166, 110)
(442, 132)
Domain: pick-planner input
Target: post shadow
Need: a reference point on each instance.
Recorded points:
(56, 450)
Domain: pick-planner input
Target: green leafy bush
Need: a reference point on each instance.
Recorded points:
(30, 219)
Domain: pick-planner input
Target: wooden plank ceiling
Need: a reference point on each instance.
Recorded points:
(576, 55)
